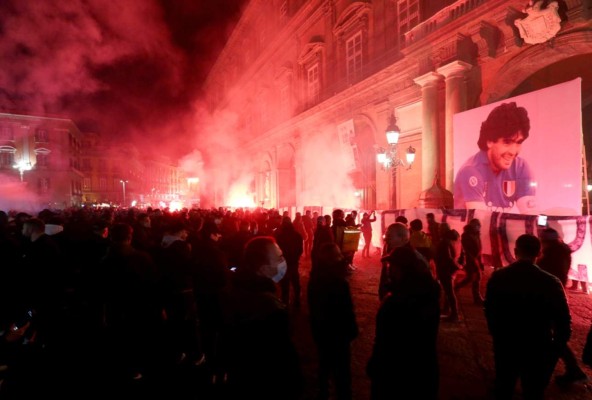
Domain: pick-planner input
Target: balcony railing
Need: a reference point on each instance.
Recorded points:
(441, 18)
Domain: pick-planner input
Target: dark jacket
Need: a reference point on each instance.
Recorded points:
(471, 248)
(330, 303)
(291, 244)
(262, 360)
(404, 360)
(526, 309)
(556, 260)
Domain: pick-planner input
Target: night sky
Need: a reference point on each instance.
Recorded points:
(128, 70)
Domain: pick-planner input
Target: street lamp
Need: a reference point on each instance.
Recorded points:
(23, 166)
(389, 157)
(123, 182)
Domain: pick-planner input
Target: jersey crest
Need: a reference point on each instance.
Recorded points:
(509, 188)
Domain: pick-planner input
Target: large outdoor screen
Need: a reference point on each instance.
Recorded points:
(522, 154)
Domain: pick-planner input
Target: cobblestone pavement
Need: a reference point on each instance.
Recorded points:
(465, 349)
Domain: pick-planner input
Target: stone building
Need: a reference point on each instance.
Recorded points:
(114, 170)
(321, 79)
(47, 162)
(43, 154)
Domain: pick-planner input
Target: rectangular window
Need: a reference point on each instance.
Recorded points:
(6, 159)
(284, 10)
(313, 84)
(86, 164)
(41, 136)
(86, 184)
(6, 133)
(43, 184)
(408, 15)
(42, 160)
(353, 51)
(102, 183)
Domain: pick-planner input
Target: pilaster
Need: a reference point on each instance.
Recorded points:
(430, 147)
(456, 101)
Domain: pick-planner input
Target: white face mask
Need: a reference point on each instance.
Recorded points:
(281, 271)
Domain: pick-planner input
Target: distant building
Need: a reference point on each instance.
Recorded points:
(297, 72)
(44, 154)
(46, 162)
(114, 170)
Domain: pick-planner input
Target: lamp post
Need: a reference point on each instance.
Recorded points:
(123, 182)
(389, 157)
(23, 166)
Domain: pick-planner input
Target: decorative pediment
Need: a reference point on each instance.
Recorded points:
(7, 149)
(311, 53)
(42, 150)
(352, 17)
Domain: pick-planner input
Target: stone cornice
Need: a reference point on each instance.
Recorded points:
(428, 79)
(454, 69)
(565, 45)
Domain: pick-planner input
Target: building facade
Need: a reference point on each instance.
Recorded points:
(47, 162)
(119, 174)
(43, 154)
(319, 79)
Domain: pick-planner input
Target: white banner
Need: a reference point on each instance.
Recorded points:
(347, 142)
(499, 232)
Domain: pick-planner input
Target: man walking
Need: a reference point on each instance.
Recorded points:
(529, 320)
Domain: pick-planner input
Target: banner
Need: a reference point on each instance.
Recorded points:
(347, 143)
(521, 155)
(499, 232)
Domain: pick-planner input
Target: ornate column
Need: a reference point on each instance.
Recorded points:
(430, 147)
(456, 101)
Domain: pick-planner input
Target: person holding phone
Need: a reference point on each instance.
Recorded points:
(496, 178)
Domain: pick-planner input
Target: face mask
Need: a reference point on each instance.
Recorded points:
(281, 271)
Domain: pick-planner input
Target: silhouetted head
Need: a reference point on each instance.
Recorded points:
(416, 225)
(402, 219)
(549, 235)
(396, 235)
(527, 247)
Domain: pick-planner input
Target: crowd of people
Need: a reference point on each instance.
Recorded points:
(135, 294)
